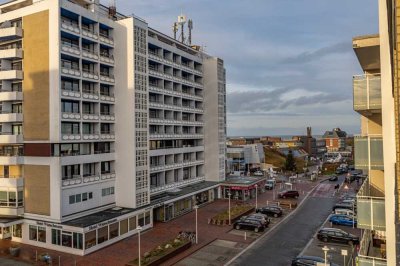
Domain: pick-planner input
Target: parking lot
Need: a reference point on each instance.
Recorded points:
(334, 254)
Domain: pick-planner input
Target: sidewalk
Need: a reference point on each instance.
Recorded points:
(126, 250)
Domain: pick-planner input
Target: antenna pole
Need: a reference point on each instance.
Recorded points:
(183, 32)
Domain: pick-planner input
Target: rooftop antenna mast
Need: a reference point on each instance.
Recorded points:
(190, 26)
(175, 29)
(182, 22)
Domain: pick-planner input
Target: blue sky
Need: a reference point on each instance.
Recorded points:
(289, 62)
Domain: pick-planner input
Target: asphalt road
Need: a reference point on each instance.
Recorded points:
(289, 239)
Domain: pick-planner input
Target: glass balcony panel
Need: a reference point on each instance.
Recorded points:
(376, 146)
(361, 152)
(367, 92)
(371, 213)
(368, 152)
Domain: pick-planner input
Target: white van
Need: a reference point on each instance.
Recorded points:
(345, 212)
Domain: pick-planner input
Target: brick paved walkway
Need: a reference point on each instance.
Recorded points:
(126, 250)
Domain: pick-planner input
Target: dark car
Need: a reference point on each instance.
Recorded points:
(347, 206)
(309, 261)
(337, 235)
(340, 171)
(249, 224)
(288, 194)
(274, 211)
(333, 178)
(259, 217)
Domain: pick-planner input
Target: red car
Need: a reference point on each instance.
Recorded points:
(288, 194)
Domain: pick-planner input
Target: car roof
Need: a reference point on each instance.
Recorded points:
(315, 258)
(332, 229)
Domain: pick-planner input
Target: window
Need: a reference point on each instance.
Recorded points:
(56, 237)
(102, 234)
(12, 199)
(17, 230)
(66, 238)
(3, 198)
(132, 223)
(37, 233)
(78, 198)
(42, 234)
(72, 199)
(70, 128)
(33, 232)
(107, 191)
(90, 195)
(69, 106)
(77, 241)
(114, 230)
(90, 239)
(141, 219)
(84, 196)
(123, 226)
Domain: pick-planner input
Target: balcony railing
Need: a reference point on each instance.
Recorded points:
(366, 255)
(367, 92)
(368, 151)
(370, 207)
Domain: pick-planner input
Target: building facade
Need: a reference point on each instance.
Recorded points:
(335, 139)
(104, 122)
(245, 158)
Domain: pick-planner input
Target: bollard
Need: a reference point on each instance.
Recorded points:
(245, 235)
(36, 256)
(59, 260)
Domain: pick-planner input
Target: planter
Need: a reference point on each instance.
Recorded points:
(157, 260)
(218, 220)
(14, 251)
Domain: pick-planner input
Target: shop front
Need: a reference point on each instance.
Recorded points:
(242, 188)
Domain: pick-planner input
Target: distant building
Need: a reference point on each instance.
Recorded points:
(245, 157)
(335, 140)
(309, 143)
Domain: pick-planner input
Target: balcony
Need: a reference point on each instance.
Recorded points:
(88, 74)
(71, 116)
(107, 58)
(370, 208)
(73, 71)
(109, 97)
(71, 180)
(107, 135)
(70, 136)
(370, 254)
(71, 26)
(91, 54)
(106, 39)
(107, 77)
(10, 33)
(90, 178)
(90, 116)
(11, 96)
(90, 95)
(70, 48)
(10, 117)
(159, 189)
(89, 33)
(11, 74)
(11, 182)
(9, 137)
(107, 175)
(107, 116)
(368, 152)
(90, 136)
(367, 94)
(11, 53)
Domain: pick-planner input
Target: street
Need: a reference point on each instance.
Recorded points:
(288, 240)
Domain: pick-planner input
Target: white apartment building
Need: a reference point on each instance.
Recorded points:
(106, 124)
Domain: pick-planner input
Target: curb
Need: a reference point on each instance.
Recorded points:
(273, 228)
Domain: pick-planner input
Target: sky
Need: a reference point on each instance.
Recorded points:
(289, 63)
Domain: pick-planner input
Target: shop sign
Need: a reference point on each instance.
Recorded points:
(95, 226)
(49, 225)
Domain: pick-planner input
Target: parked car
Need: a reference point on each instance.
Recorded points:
(288, 194)
(270, 184)
(274, 211)
(348, 201)
(249, 224)
(333, 178)
(258, 173)
(347, 206)
(345, 212)
(310, 261)
(337, 235)
(259, 217)
(340, 171)
(341, 219)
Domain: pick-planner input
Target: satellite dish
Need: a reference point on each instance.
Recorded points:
(182, 19)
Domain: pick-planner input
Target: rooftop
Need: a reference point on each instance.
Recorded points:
(243, 180)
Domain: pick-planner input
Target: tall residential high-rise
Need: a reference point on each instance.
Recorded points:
(106, 124)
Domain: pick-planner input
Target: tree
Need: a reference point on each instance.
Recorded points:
(290, 163)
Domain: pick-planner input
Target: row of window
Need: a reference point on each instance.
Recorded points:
(107, 191)
(11, 198)
(80, 197)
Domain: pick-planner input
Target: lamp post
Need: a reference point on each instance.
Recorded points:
(256, 194)
(325, 249)
(196, 208)
(139, 228)
(229, 207)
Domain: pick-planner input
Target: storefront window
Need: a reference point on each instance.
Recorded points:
(123, 226)
(33, 232)
(42, 234)
(102, 234)
(141, 219)
(77, 241)
(202, 198)
(17, 230)
(66, 238)
(132, 223)
(114, 230)
(90, 239)
(56, 237)
(147, 218)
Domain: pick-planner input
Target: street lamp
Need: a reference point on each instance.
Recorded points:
(256, 194)
(139, 228)
(325, 249)
(229, 207)
(196, 208)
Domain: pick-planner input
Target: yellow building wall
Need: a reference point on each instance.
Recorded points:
(37, 189)
(36, 76)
